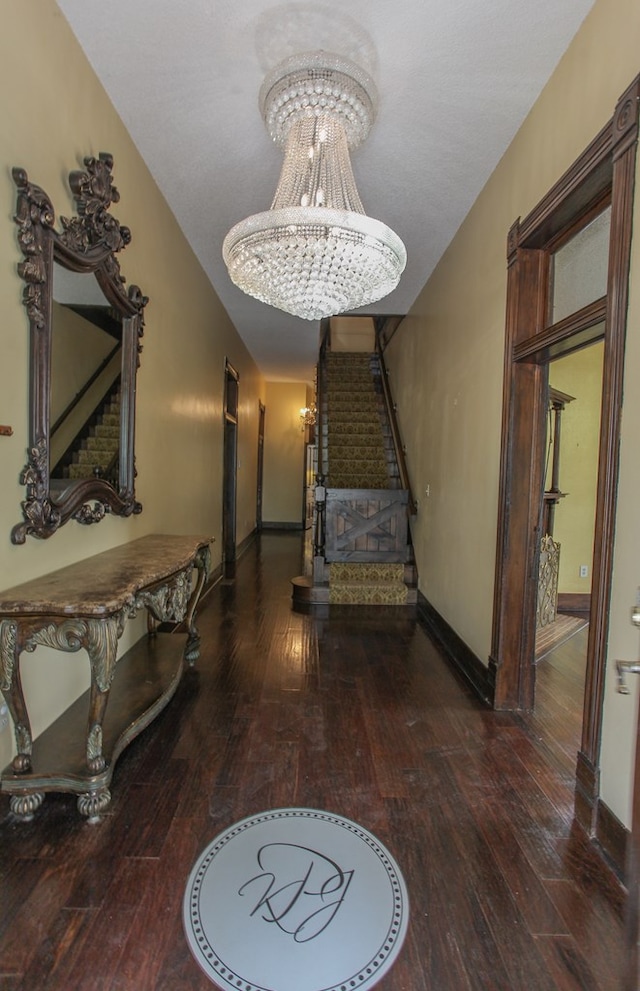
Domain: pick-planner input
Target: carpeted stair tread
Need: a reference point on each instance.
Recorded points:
(367, 584)
(354, 429)
(111, 419)
(366, 482)
(340, 380)
(100, 443)
(341, 418)
(345, 571)
(87, 456)
(348, 403)
(368, 594)
(356, 464)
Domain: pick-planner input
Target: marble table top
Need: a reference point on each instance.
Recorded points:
(100, 585)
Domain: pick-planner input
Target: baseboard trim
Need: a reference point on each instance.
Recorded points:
(573, 602)
(613, 838)
(246, 543)
(456, 650)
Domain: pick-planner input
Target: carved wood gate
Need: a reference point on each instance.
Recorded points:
(366, 525)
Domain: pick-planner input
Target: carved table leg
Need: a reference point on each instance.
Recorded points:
(92, 803)
(102, 646)
(23, 806)
(11, 685)
(192, 649)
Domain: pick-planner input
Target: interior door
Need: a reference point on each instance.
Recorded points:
(230, 472)
(261, 418)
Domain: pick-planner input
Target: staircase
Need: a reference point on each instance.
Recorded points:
(365, 505)
(355, 444)
(96, 449)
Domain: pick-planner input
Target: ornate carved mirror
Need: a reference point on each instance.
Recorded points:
(85, 332)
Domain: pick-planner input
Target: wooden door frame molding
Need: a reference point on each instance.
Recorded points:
(229, 470)
(607, 166)
(260, 465)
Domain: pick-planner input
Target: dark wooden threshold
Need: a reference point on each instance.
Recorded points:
(456, 650)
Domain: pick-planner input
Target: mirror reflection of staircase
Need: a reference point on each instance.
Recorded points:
(95, 449)
(361, 552)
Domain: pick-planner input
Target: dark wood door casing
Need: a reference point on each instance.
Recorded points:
(260, 473)
(605, 169)
(229, 477)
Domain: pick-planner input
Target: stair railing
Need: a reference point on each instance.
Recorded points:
(85, 388)
(400, 450)
(64, 459)
(319, 529)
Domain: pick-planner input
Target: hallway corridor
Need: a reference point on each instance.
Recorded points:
(357, 714)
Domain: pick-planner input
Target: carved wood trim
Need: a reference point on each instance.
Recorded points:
(566, 335)
(528, 341)
(87, 244)
(624, 168)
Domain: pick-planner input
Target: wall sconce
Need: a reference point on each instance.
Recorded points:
(308, 416)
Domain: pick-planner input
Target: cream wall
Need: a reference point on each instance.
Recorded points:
(53, 113)
(446, 368)
(284, 453)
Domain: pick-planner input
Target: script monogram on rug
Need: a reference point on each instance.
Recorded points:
(295, 900)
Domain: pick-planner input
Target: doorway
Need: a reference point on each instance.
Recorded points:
(229, 472)
(261, 417)
(566, 548)
(536, 334)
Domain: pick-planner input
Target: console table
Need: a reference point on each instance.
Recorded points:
(86, 606)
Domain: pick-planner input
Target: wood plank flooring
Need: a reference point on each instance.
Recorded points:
(358, 714)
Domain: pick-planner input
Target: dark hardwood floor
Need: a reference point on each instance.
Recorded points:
(358, 714)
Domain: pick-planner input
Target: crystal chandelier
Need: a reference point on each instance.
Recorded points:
(315, 253)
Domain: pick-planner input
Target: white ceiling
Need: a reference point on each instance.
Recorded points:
(455, 80)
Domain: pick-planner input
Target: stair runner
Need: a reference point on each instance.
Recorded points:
(357, 460)
(356, 454)
(101, 446)
(367, 584)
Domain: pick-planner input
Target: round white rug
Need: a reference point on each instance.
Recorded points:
(295, 900)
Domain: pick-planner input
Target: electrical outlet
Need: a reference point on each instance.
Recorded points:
(4, 716)
(584, 570)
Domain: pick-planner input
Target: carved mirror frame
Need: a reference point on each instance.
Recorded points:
(88, 243)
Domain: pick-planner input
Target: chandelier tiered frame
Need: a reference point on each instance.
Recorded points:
(315, 253)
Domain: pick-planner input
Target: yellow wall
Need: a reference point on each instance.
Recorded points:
(53, 113)
(578, 375)
(446, 372)
(352, 334)
(284, 453)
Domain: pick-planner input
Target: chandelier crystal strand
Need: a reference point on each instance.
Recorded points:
(316, 253)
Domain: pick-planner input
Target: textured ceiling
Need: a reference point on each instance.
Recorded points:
(455, 80)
